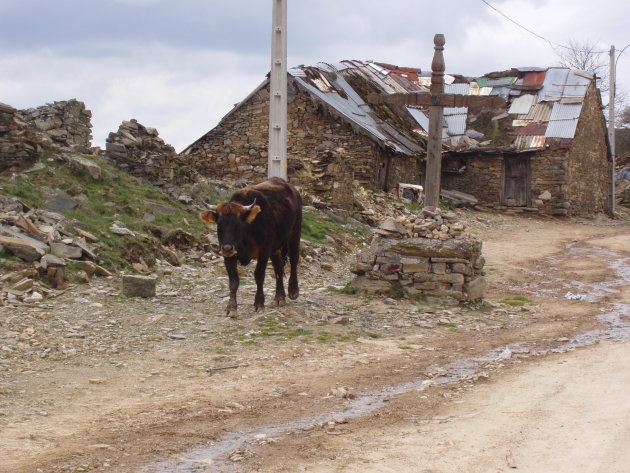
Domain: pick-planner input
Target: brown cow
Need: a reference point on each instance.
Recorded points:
(260, 222)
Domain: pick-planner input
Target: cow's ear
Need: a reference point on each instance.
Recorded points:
(251, 214)
(209, 216)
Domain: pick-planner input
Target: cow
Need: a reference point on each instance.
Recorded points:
(259, 222)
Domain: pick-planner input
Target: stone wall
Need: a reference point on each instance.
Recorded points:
(139, 151)
(18, 148)
(589, 167)
(65, 124)
(326, 156)
(481, 177)
(429, 257)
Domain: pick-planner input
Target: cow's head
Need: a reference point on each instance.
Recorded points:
(231, 219)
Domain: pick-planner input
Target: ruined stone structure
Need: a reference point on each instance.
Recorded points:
(567, 177)
(425, 255)
(423, 267)
(18, 147)
(65, 124)
(139, 151)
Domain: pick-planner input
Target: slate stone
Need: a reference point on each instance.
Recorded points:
(61, 203)
(139, 286)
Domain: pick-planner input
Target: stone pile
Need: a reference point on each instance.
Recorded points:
(140, 151)
(18, 149)
(66, 124)
(428, 255)
(432, 225)
(48, 241)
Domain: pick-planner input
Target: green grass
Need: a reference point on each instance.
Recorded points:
(347, 289)
(316, 226)
(516, 301)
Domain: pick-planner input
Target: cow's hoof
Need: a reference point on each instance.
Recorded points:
(281, 300)
(231, 313)
(294, 294)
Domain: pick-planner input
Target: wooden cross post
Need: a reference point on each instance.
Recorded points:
(436, 100)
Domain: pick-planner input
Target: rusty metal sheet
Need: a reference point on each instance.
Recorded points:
(525, 142)
(531, 129)
(534, 78)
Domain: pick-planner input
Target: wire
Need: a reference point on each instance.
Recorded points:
(551, 43)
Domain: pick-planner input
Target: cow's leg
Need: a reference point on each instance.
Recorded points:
(278, 266)
(259, 274)
(232, 270)
(294, 257)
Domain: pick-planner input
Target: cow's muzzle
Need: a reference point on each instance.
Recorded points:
(228, 251)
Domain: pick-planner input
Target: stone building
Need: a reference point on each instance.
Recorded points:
(335, 140)
(544, 151)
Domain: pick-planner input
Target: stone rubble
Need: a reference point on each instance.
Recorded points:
(140, 151)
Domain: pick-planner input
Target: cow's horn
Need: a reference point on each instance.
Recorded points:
(211, 207)
(249, 207)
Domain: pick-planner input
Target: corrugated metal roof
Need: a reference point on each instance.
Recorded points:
(553, 84)
(551, 112)
(353, 108)
(564, 111)
(456, 122)
(523, 104)
(420, 117)
(540, 112)
(457, 89)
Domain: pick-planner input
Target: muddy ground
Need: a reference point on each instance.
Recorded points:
(93, 381)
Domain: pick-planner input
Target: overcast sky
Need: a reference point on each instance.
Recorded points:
(180, 66)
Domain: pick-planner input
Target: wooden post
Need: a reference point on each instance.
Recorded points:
(277, 150)
(436, 117)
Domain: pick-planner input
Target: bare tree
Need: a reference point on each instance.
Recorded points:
(591, 57)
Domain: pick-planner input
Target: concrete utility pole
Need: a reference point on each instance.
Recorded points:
(277, 151)
(611, 124)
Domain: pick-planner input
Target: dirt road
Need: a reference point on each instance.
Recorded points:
(334, 382)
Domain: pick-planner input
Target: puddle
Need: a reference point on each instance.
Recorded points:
(224, 454)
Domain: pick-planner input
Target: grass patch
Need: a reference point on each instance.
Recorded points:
(316, 227)
(516, 301)
(347, 289)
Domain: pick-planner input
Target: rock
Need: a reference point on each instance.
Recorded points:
(546, 195)
(23, 285)
(66, 251)
(87, 166)
(392, 226)
(61, 203)
(140, 286)
(476, 288)
(342, 320)
(21, 248)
